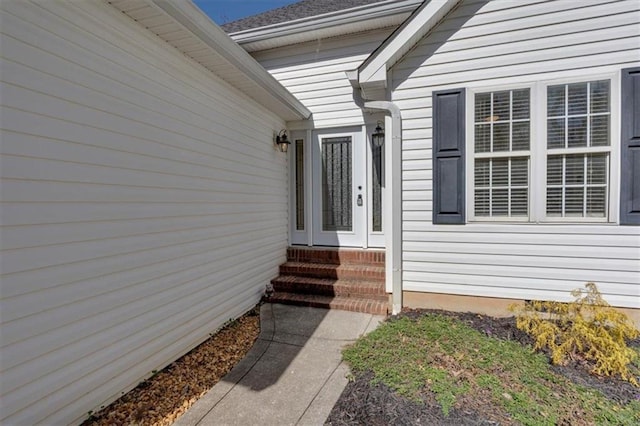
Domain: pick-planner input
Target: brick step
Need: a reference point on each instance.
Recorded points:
(352, 304)
(336, 256)
(333, 271)
(330, 287)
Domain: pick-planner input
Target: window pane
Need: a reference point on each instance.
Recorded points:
(520, 136)
(483, 137)
(520, 202)
(574, 170)
(554, 202)
(577, 132)
(337, 203)
(574, 202)
(501, 186)
(555, 133)
(481, 204)
(581, 123)
(377, 154)
(521, 104)
(501, 103)
(600, 130)
(520, 171)
(500, 202)
(554, 170)
(501, 137)
(577, 98)
(566, 177)
(500, 173)
(483, 107)
(494, 130)
(555, 101)
(299, 185)
(482, 173)
(596, 202)
(600, 96)
(597, 169)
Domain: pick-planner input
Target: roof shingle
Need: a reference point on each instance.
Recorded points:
(301, 9)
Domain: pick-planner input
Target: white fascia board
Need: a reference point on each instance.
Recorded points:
(373, 70)
(197, 23)
(334, 20)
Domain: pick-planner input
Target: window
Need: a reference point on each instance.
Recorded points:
(561, 173)
(502, 139)
(578, 140)
(299, 184)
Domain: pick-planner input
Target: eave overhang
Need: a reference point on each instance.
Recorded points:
(185, 27)
(372, 73)
(385, 14)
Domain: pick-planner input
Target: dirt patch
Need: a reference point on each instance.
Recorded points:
(375, 404)
(164, 397)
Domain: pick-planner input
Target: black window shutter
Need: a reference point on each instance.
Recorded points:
(630, 148)
(448, 156)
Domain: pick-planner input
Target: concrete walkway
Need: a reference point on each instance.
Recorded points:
(293, 375)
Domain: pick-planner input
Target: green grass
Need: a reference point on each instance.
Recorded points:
(455, 362)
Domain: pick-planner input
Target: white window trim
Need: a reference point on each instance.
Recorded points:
(538, 152)
(470, 154)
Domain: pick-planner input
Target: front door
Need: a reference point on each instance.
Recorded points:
(339, 181)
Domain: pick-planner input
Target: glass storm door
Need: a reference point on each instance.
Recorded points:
(339, 203)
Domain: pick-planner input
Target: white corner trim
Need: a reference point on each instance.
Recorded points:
(197, 23)
(374, 69)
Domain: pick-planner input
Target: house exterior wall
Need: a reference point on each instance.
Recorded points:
(506, 43)
(315, 73)
(143, 205)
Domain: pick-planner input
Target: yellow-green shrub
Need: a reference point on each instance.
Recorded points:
(587, 327)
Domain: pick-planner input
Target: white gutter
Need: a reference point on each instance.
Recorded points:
(393, 233)
(332, 19)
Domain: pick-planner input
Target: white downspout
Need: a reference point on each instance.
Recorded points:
(394, 232)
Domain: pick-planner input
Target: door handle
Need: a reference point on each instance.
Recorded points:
(359, 201)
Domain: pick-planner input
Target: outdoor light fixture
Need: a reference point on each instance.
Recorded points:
(281, 141)
(377, 138)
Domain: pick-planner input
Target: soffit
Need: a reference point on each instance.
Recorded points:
(185, 27)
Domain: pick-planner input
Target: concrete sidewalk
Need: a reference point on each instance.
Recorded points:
(293, 375)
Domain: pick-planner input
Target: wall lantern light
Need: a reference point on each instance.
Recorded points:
(377, 138)
(281, 141)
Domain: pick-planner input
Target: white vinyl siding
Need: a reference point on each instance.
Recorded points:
(513, 44)
(315, 73)
(143, 205)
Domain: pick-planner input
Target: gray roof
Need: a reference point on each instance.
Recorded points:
(301, 9)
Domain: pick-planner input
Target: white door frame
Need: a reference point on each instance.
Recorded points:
(362, 234)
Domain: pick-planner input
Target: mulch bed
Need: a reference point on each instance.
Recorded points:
(164, 397)
(161, 399)
(364, 403)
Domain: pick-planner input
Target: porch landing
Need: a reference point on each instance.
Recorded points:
(332, 278)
